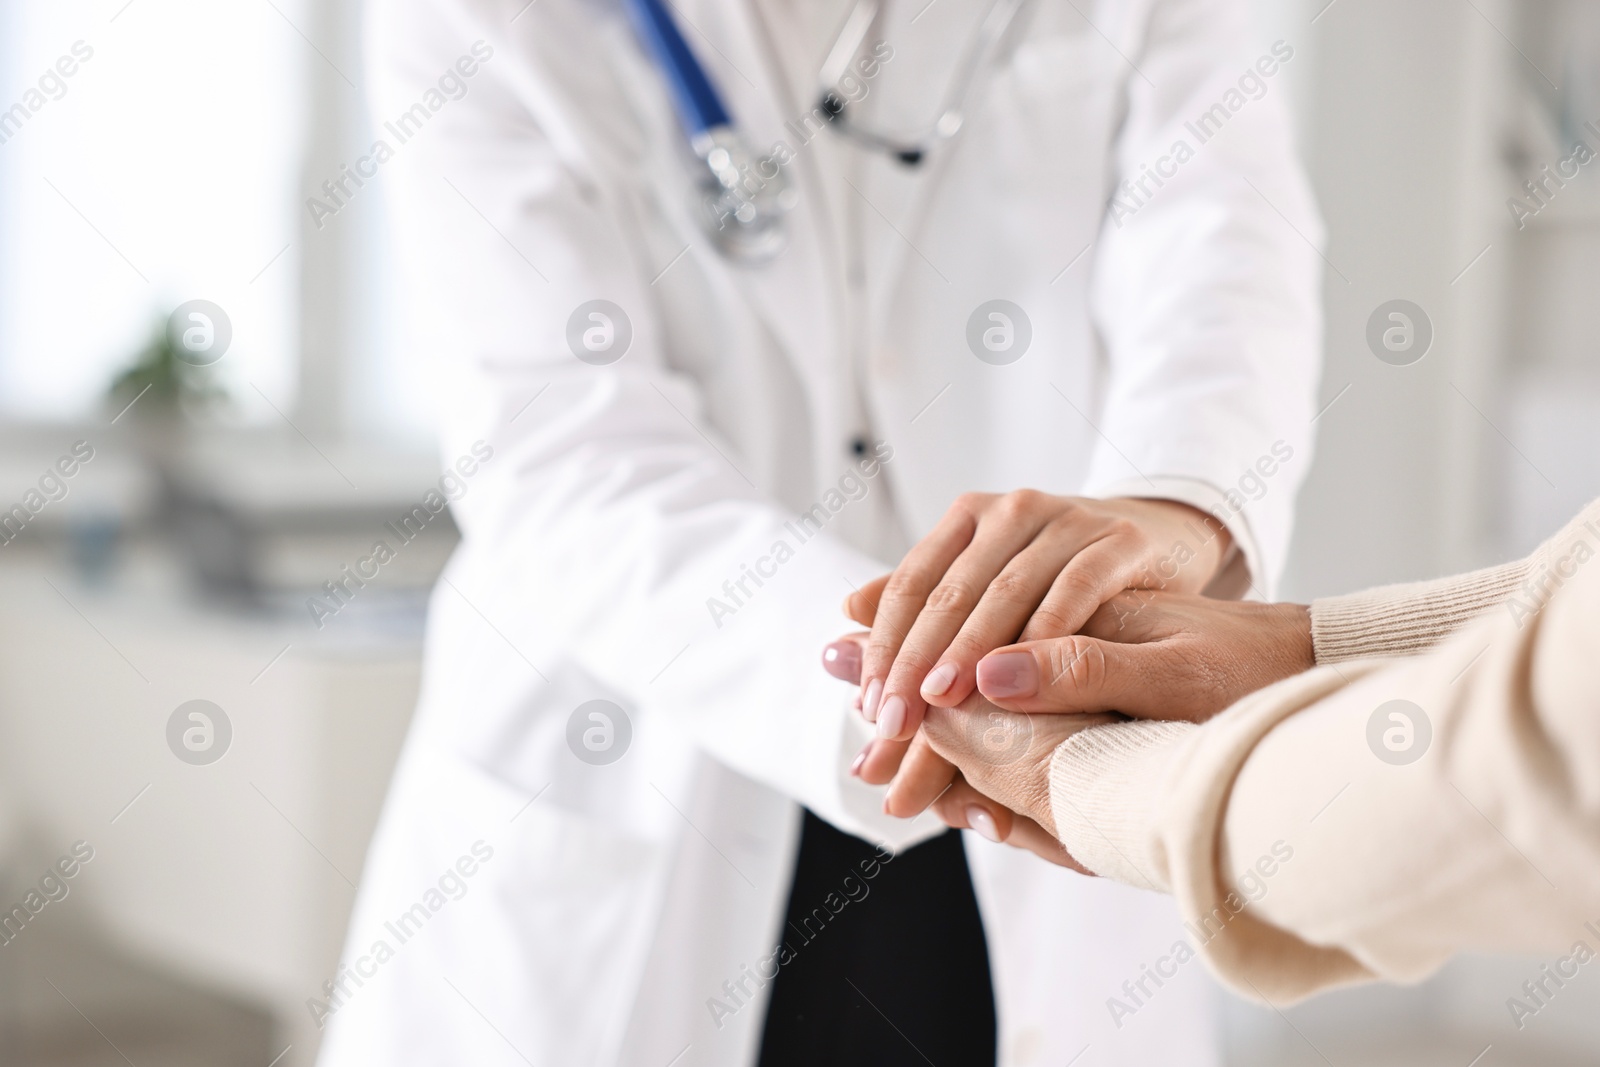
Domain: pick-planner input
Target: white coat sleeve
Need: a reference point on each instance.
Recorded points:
(612, 511)
(1206, 282)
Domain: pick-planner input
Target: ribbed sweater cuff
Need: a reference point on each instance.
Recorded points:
(1106, 783)
(1398, 620)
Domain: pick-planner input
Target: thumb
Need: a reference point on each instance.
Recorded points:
(842, 658)
(1066, 674)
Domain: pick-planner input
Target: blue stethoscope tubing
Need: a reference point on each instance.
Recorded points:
(696, 100)
(744, 215)
(742, 203)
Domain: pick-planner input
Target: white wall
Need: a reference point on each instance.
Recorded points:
(1401, 144)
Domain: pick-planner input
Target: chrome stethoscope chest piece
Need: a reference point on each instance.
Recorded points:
(744, 197)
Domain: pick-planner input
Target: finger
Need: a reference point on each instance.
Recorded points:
(1006, 606)
(842, 658)
(1002, 534)
(1071, 674)
(964, 808)
(904, 594)
(1130, 617)
(1027, 834)
(1094, 576)
(923, 776)
(862, 604)
(883, 760)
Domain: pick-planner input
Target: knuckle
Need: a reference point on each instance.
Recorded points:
(1075, 588)
(879, 653)
(952, 596)
(1075, 582)
(903, 584)
(1047, 621)
(1018, 504)
(1011, 586)
(967, 647)
(970, 504)
(1125, 529)
(1029, 498)
(912, 660)
(1079, 666)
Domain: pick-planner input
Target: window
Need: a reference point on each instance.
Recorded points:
(150, 155)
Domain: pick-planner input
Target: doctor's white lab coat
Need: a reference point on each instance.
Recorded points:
(552, 888)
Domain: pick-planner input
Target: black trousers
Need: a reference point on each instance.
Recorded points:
(884, 962)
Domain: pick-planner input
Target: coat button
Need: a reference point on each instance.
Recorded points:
(858, 445)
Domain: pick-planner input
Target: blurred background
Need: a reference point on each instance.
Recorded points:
(207, 503)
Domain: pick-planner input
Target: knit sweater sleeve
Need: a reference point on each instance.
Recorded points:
(1307, 848)
(1397, 620)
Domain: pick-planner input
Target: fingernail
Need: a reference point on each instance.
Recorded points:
(861, 757)
(1009, 674)
(939, 682)
(869, 703)
(842, 659)
(981, 821)
(892, 716)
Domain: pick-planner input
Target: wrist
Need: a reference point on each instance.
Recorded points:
(1197, 543)
(1292, 626)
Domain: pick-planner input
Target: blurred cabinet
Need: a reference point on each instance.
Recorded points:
(239, 872)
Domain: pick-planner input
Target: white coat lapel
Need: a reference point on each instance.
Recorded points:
(910, 92)
(796, 293)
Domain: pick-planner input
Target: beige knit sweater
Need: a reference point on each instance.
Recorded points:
(1306, 852)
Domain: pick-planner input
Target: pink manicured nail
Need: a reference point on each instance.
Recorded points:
(861, 757)
(892, 716)
(939, 682)
(1009, 674)
(981, 821)
(869, 703)
(842, 659)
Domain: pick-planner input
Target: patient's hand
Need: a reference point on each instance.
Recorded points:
(1154, 656)
(1147, 655)
(1157, 656)
(1144, 654)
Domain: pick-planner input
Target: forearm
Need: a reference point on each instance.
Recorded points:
(619, 532)
(1207, 302)
(1398, 620)
(1303, 858)
(1401, 619)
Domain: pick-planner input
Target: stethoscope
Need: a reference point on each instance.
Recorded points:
(745, 196)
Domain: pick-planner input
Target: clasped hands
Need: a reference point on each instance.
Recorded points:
(1024, 618)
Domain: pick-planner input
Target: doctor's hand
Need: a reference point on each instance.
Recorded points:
(1015, 567)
